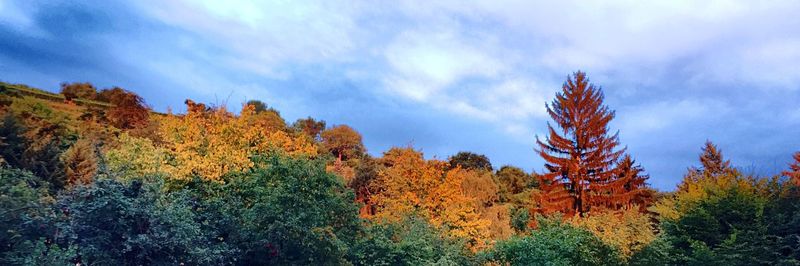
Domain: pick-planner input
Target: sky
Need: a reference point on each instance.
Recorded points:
(445, 76)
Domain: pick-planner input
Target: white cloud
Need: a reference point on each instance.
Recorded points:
(262, 36)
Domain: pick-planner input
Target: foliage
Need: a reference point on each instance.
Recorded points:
(129, 111)
(212, 142)
(343, 142)
(511, 181)
(83, 90)
(581, 161)
(471, 161)
(80, 162)
(411, 185)
(134, 156)
(24, 213)
(292, 211)
(310, 127)
(627, 230)
(411, 241)
(109, 222)
(554, 243)
(794, 169)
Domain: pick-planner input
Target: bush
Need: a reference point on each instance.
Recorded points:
(411, 241)
(554, 243)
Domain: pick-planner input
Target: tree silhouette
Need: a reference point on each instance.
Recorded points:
(580, 158)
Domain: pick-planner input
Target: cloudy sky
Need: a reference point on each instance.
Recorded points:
(445, 77)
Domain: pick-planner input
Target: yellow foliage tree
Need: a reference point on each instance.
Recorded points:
(715, 176)
(628, 230)
(409, 184)
(132, 156)
(211, 142)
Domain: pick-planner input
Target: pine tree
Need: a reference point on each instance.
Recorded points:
(712, 160)
(713, 165)
(581, 158)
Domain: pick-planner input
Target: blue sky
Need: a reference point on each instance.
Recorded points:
(445, 76)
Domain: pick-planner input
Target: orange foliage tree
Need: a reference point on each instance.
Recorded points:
(407, 184)
(581, 158)
(794, 170)
(343, 142)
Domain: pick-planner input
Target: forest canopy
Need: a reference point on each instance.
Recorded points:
(94, 176)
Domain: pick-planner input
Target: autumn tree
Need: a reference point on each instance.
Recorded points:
(80, 162)
(794, 170)
(581, 157)
(511, 181)
(82, 90)
(410, 185)
(210, 142)
(713, 164)
(129, 111)
(634, 189)
(470, 160)
(309, 126)
(343, 142)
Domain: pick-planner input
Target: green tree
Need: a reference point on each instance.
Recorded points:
(109, 222)
(470, 161)
(554, 243)
(25, 214)
(292, 212)
(411, 241)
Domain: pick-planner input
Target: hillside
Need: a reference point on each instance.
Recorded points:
(94, 176)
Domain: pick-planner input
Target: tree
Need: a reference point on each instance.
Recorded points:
(258, 106)
(629, 231)
(292, 212)
(25, 211)
(79, 90)
(581, 159)
(12, 141)
(411, 241)
(471, 161)
(112, 95)
(212, 142)
(630, 187)
(712, 164)
(80, 162)
(134, 223)
(794, 170)
(309, 126)
(364, 184)
(512, 181)
(129, 111)
(410, 185)
(555, 243)
(343, 142)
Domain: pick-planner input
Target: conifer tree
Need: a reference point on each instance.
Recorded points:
(713, 165)
(581, 157)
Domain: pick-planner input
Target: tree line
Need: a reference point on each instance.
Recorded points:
(124, 185)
